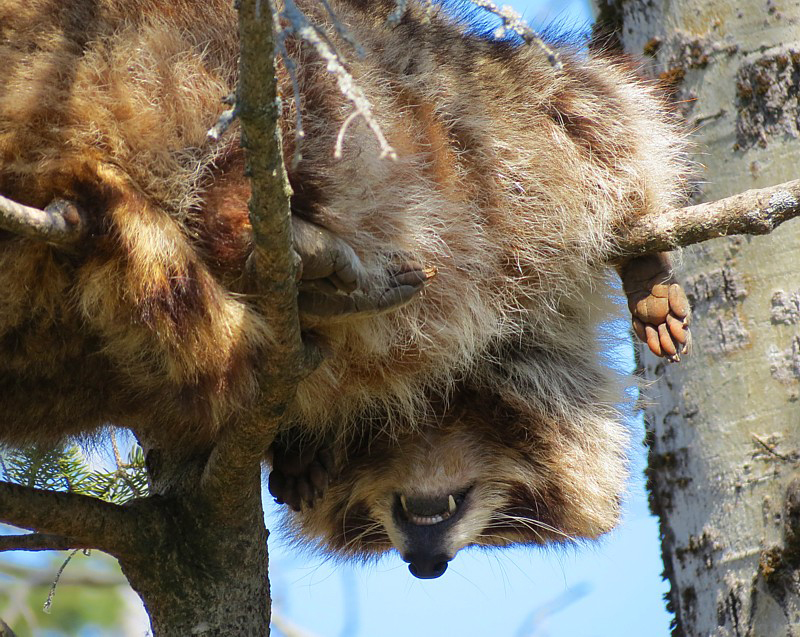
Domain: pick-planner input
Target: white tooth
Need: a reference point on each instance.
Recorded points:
(427, 520)
(403, 503)
(451, 502)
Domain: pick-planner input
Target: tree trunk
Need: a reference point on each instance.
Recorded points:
(194, 575)
(724, 424)
(199, 562)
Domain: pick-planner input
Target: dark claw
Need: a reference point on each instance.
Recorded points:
(295, 462)
(326, 459)
(277, 485)
(304, 490)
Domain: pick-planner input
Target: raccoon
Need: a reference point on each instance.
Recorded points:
(462, 397)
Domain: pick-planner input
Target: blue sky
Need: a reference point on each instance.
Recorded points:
(612, 588)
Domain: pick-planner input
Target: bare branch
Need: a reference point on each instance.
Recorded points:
(39, 542)
(750, 212)
(226, 118)
(400, 8)
(234, 465)
(342, 30)
(88, 522)
(291, 69)
(61, 222)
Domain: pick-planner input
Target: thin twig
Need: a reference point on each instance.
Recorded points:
(52, 592)
(24, 575)
(117, 456)
(291, 69)
(400, 8)
(61, 222)
(770, 448)
(224, 122)
(342, 30)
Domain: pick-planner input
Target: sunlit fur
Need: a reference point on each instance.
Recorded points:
(511, 179)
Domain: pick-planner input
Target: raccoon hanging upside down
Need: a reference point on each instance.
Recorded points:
(455, 292)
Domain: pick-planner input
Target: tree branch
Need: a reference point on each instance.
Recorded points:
(39, 542)
(273, 266)
(61, 222)
(82, 521)
(299, 24)
(751, 212)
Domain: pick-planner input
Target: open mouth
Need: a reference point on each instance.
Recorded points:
(425, 510)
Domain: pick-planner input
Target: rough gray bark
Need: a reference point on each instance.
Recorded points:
(723, 425)
(200, 570)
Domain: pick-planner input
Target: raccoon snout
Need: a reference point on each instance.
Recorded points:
(426, 523)
(427, 566)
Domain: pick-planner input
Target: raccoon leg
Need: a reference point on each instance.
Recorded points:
(300, 474)
(659, 307)
(162, 317)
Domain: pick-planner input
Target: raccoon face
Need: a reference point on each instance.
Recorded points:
(429, 494)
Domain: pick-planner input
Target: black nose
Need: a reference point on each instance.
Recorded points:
(427, 566)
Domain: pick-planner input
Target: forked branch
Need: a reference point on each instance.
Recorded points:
(273, 266)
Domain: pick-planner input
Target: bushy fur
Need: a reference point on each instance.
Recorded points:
(511, 179)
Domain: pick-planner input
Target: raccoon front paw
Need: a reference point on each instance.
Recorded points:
(300, 476)
(400, 284)
(328, 263)
(658, 305)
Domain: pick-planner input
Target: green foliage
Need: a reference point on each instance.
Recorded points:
(67, 469)
(89, 592)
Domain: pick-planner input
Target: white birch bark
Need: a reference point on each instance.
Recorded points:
(725, 423)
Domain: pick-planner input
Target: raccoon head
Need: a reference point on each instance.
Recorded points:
(451, 485)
